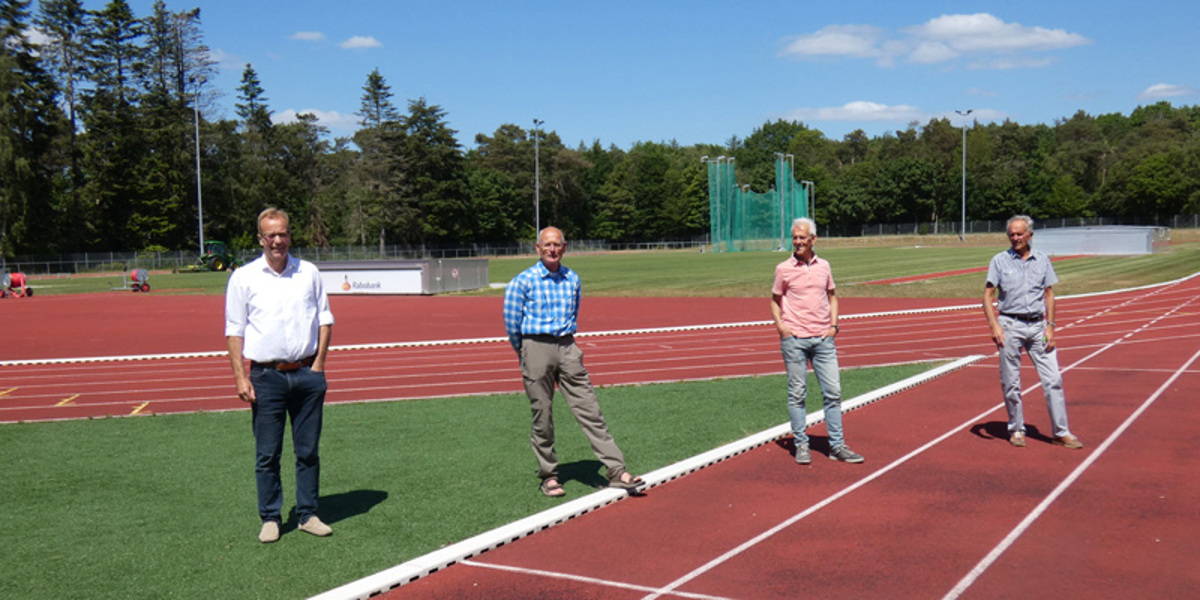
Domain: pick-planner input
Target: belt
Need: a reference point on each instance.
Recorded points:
(546, 337)
(1028, 318)
(285, 366)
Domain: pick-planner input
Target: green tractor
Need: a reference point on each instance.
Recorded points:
(217, 257)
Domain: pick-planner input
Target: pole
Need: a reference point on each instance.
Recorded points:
(537, 181)
(199, 189)
(962, 233)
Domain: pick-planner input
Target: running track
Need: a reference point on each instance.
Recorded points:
(943, 507)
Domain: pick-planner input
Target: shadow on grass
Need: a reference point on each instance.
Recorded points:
(586, 472)
(339, 507)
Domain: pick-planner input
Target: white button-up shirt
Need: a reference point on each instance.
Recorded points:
(279, 315)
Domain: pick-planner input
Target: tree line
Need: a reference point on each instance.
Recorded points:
(99, 145)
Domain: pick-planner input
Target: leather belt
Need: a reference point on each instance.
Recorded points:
(1028, 318)
(546, 337)
(285, 366)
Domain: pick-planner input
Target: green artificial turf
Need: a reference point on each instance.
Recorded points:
(164, 506)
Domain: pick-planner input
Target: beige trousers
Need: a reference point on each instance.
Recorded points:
(546, 361)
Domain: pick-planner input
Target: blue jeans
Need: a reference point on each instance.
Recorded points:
(797, 353)
(299, 395)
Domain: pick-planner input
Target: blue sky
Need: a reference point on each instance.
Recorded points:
(702, 72)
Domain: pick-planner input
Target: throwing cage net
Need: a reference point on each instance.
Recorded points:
(741, 219)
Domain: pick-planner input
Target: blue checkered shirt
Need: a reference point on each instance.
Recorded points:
(540, 301)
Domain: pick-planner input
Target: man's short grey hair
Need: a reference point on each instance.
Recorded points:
(1028, 222)
(807, 222)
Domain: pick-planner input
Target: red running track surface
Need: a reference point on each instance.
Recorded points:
(95, 326)
(943, 507)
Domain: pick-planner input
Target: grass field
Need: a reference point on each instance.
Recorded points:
(163, 507)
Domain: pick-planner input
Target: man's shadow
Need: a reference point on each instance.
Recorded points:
(588, 472)
(816, 443)
(998, 430)
(339, 507)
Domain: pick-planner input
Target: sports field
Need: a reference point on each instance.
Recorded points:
(163, 506)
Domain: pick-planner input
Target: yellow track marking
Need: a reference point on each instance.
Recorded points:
(8, 391)
(67, 400)
(139, 409)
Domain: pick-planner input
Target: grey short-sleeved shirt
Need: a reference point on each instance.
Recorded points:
(1021, 283)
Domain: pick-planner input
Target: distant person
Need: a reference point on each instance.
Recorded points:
(16, 286)
(804, 305)
(277, 316)
(1024, 279)
(541, 306)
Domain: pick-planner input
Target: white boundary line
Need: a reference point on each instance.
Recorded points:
(430, 563)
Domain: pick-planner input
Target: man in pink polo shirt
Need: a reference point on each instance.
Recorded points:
(805, 309)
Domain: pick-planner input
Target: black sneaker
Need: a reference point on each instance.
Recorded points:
(843, 453)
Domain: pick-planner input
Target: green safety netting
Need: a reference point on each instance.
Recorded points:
(741, 219)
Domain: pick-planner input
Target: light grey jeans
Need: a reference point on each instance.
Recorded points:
(1022, 336)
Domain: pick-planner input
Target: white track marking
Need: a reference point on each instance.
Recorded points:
(581, 578)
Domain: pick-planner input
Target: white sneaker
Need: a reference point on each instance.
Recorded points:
(269, 533)
(314, 526)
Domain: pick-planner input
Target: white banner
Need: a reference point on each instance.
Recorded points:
(376, 281)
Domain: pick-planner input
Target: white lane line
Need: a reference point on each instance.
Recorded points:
(584, 579)
(669, 588)
(1025, 523)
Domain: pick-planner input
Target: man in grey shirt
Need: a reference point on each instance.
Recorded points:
(1024, 280)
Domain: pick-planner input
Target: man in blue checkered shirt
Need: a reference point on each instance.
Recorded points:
(541, 307)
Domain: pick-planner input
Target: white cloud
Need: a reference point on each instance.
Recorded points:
(982, 32)
(858, 111)
(989, 41)
(307, 36)
(856, 41)
(360, 41)
(1159, 91)
(338, 123)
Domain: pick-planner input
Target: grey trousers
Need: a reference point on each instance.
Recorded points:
(1019, 336)
(546, 361)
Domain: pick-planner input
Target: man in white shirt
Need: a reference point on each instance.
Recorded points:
(277, 316)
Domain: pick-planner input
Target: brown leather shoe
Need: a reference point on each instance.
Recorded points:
(1069, 441)
(1017, 439)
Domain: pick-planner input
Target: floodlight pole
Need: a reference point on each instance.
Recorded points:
(962, 233)
(537, 181)
(199, 190)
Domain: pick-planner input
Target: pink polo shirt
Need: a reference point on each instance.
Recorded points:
(805, 290)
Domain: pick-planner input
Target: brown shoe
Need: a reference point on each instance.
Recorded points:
(1017, 439)
(1069, 441)
(314, 526)
(269, 533)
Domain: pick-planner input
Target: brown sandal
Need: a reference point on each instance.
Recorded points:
(617, 481)
(552, 488)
